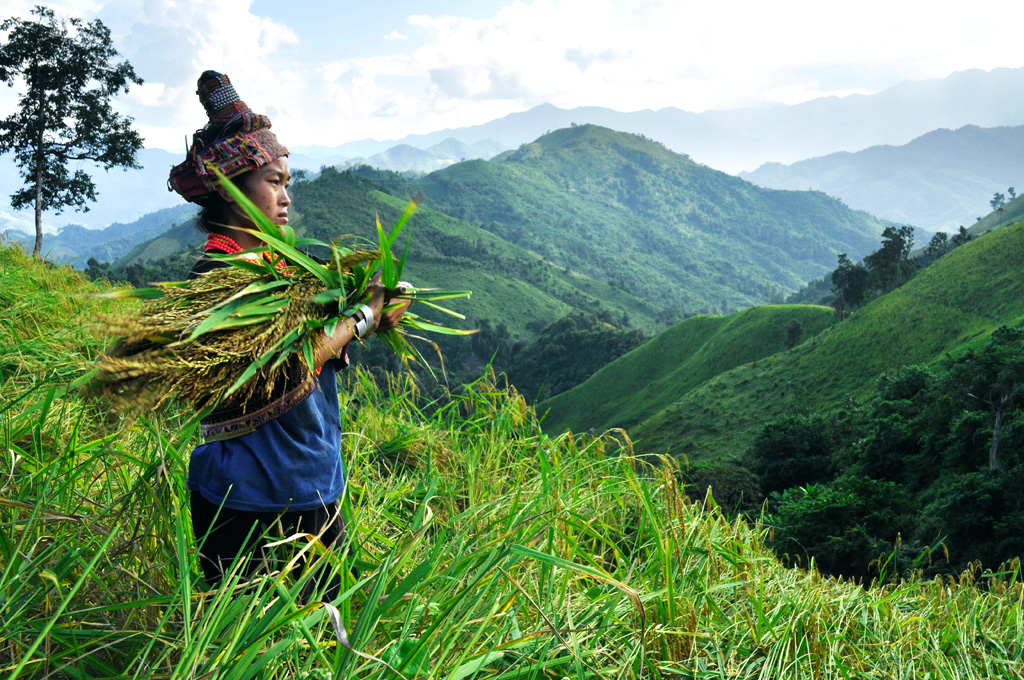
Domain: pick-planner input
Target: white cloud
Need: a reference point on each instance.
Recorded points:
(170, 42)
(652, 54)
(441, 71)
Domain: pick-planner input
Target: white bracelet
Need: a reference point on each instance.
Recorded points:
(364, 321)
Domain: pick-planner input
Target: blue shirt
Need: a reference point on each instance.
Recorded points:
(290, 463)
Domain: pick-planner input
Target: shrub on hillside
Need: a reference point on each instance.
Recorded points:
(844, 525)
(792, 451)
(735, 488)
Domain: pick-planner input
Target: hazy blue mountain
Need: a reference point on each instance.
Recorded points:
(75, 244)
(742, 139)
(938, 181)
(122, 195)
(457, 150)
(407, 158)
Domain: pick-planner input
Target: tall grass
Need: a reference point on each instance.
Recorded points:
(482, 549)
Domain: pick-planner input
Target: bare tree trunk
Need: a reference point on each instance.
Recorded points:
(39, 210)
(40, 150)
(993, 462)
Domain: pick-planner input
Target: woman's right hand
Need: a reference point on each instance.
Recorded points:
(334, 345)
(375, 298)
(395, 308)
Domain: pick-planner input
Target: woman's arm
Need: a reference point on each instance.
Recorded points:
(379, 297)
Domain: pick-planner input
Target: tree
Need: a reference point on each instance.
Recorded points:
(67, 71)
(960, 238)
(998, 199)
(794, 333)
(793, 450)
(890, 265)
(938, 246)
(1012, 192)
(993, 377)
(849, 283)
(95, 269)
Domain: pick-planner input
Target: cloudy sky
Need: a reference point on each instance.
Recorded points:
(331, 72)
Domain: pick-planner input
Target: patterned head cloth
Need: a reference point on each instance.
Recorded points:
(235, 140)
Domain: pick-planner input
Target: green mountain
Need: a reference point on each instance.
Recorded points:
(628, 390)
(511, 285)
(938, 181)
(624, 209)
(951, 305)
(178, 237)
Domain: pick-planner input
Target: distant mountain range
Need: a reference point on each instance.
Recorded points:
(736, 140)
(743, 139)
(938, 181)
(407, 158)
(75, 244)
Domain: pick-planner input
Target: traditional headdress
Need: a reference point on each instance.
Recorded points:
(235, 140)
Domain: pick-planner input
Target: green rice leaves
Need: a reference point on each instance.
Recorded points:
(234, 331)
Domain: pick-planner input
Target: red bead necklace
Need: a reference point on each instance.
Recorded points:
(228, 245)
(223, 243)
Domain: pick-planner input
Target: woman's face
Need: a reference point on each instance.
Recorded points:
(267, 187)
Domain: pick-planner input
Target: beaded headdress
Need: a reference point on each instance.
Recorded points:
(235, 140)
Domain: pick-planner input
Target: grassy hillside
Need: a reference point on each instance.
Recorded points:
(165, 244)
(1011, 213)
(624, 209)
(485, 550)
(628, 390)
(957, 300)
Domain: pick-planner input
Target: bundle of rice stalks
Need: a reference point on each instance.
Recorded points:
(242, 331)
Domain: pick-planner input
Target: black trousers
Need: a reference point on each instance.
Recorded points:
(224, 535)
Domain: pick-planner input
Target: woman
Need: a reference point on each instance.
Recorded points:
(273, 466)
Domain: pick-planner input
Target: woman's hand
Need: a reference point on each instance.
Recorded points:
(388, 308)
(376, 297)
(396, 308)
(334, 345)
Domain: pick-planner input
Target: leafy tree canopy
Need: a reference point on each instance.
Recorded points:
(935, 456)
(66, 71)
